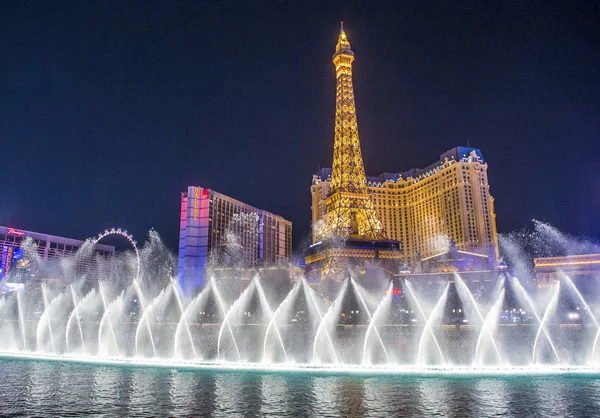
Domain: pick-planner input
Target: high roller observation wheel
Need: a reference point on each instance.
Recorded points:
(128, 237)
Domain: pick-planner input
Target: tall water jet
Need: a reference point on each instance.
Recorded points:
(45, 323)
(413, 295)
(74, 314)
(143, 304)
(574, 289)
(382, 308)
(20, 309)
(329, 321)
(434, 317)
(312, 303)
(183, 325)
(155, 309)
(106, 319)
(489, 327)
(265, 305)
(359, 292)
(282, 310)
(549, 311)
(226, 323)
(235, 309)
(8, 332)
(465, 293)
(523, 293)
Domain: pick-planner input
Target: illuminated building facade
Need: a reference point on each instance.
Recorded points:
(217, 230)
(17, 265)
(583, 269)
(428, 208)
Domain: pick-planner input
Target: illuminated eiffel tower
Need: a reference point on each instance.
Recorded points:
(350, 228)
(350, 210)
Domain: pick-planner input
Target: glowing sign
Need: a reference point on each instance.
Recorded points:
(196, 203)
(14, 231)
(395, 292)
(7, 259)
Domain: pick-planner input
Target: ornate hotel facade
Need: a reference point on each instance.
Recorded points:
(420, 212)
(428, 208)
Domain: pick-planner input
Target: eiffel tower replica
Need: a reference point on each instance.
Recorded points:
(351, 231)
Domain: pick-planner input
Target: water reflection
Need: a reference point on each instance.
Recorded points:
(492, 394)
(59, 389)
(13, 380)
(112, 390)
(281, 396)
(149, 391)
(523, 396)
(573, 395)
(434, 396)
(340, 395)
(238, 394)
(40, 388)
(192, 393)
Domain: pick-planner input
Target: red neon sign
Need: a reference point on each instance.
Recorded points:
(394, 292)
(196, 203)
(8, 262)
(14, 231)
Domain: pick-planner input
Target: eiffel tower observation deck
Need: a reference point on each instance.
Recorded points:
(351, 231)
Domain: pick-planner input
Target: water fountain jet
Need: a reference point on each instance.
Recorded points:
(434, 316)
(411, 292)
(549, 310)
(463, 289)
(385, 302)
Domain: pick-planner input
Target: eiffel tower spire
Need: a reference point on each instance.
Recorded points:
(350, 212)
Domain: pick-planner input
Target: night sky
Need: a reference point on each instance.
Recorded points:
(109, 110)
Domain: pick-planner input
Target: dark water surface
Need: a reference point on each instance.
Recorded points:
(38, 388)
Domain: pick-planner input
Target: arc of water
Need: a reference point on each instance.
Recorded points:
(290, 297)
(226, 319)
(309, 293)
(490, 321)
(517, 284)
(580, 297)
(144, 318)
(3, 302)
(425, 318)
(106, 316)
(46, 316)
(587, 308)
(362, 301)
(183, 319)
(75, 313)
(265, 303)
(21, 318)
(595, 344)
(463, 285)
(329, 316)
(386, 299)
(437, 309)
(551, 307)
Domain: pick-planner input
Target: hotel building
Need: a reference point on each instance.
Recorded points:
(217, 230)
(428, 208)
(580, 268)
(17, 265)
